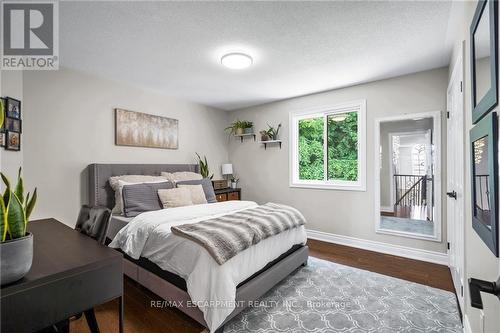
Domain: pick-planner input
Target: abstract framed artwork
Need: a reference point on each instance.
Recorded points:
(138, 129)
(484, 174)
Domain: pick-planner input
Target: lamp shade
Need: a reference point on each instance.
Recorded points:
(227, 169)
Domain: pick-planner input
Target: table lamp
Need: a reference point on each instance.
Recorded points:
(227, 169)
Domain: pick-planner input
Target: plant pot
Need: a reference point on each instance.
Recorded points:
(239, 131)
(16, 257)
(248, 130)
(234, 184)
(264, 137)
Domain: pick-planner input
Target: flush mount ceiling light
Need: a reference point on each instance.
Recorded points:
(236, 60)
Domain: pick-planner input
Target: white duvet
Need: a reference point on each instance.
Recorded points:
(148, 235)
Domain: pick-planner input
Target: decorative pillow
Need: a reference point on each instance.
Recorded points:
(197, 194)
(207, 188)
(175, 197)
(181, 176)
(140, 198)
(129, 180)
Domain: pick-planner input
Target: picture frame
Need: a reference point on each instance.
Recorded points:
(13, 124)
(12, 108)
(12, 141)
(139, 129)
(484, 180)
(2, 139)
(484, 71)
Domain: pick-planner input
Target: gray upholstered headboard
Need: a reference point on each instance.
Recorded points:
(101, 193)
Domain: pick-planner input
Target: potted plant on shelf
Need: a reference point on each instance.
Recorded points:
(204, 169)
(248, 127)
(234, 182)
(236, 128)
(270, 134)
(16, 244)
(240, 127)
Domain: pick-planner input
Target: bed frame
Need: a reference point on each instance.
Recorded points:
(101, 194)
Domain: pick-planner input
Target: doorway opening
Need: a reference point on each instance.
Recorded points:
(411, 182)
(408, 185)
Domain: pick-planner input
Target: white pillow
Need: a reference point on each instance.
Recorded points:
(175, 197)
(181, 176)
(129, 180)
(197, 193)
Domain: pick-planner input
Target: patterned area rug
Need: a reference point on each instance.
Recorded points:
(327, 297)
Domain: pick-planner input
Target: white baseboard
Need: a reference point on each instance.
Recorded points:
(397, 250)
(387, 209)
(467, 328)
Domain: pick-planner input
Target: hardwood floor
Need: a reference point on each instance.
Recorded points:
(141, 317)
(434, 275)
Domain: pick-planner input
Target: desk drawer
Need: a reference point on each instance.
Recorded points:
(233, 196)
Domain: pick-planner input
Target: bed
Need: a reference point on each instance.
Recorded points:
(243, 279)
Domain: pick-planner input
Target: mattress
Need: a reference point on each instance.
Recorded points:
(149, 236)
(180, 283)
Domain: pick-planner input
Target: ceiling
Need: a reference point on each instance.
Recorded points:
(298, 47)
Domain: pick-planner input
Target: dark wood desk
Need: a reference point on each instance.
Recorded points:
(71, 273)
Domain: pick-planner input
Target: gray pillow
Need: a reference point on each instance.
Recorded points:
(207, 188)
(140, 198)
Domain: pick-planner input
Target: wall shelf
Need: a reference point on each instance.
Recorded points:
(247, 135)
(265, 143)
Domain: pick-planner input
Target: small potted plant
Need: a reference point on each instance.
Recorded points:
(270, 134)
(248, 127)
(264, 136)
(16, 244)
(234, 182)
(236, 128)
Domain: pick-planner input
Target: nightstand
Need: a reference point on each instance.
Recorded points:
(227, 194)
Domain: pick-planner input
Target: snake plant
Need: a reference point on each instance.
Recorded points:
(204, 169)
(2, 112)
(15, 209)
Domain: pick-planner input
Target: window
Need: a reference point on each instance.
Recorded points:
(328, 147)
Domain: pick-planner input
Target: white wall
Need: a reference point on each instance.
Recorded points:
(264, 174)
(69, 123)
(480, 262)
(11, 86)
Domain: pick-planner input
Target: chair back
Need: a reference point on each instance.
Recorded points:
(93, 222)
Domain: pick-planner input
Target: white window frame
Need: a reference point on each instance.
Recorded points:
(294, 117)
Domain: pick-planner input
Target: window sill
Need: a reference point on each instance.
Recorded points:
(336, 187)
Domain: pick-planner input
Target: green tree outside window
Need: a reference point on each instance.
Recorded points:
(342, 147)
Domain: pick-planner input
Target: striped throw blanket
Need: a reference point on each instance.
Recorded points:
(226, 236)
